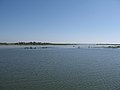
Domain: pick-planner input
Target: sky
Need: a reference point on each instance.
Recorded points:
(69, 21)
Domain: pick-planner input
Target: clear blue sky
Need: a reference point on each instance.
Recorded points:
(80, 21)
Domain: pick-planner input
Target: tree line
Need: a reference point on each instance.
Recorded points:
(35, 43)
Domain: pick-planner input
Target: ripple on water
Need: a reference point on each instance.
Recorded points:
(60, 69)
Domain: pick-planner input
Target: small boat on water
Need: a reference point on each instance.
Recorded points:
(44, 47)
(89, 47)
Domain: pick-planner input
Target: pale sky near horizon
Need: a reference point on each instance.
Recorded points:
(78, 21)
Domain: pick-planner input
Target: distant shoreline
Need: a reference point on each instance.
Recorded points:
(36, 43)
(45, 43)
(107, 44)
(30, 44)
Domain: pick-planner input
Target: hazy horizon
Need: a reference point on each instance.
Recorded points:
(60, 21)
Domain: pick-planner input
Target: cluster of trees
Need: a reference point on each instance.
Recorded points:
(34, 43)
(113, 47)
(31, 43)
(26, 43)
(3, 43)
(107, 44)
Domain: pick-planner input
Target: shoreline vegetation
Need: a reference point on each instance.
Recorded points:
(107, 44)
(44, 43)
(110, 45)
(36, 43)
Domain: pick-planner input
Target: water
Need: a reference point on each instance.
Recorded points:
(59, 69)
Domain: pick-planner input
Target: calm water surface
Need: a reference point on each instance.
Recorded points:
(59, 69)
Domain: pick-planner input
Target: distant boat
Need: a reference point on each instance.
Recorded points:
(78, 46)
(88, 46)
(73, 46)
(44, 47)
